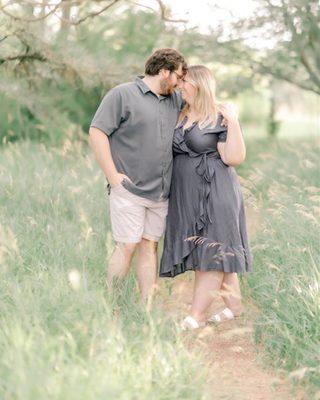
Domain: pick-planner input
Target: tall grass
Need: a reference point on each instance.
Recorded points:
(283, 181)
(62, 335)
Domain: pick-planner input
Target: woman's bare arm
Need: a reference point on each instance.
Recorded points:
(233, 151)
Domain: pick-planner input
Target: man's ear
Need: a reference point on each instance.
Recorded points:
(164, 73)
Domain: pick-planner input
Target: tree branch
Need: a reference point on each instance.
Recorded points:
(24, 57)
(94, 14)
(4, 38)
(307, 66)
(285, 77)
(163, 10)
(16, 18)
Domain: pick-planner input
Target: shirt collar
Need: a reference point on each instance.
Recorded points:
(145, 88)
(141, 84)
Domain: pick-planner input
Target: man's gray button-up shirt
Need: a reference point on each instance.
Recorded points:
(140, 127)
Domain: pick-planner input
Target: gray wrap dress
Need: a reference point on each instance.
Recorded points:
(206, 223)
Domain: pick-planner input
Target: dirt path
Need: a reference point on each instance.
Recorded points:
(235, 362)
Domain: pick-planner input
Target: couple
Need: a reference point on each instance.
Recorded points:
(149, 140)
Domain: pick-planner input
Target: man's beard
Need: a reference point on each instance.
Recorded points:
(165, 87)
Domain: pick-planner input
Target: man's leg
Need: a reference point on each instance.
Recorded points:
(147, 267)
(119, 263)
(127, 212)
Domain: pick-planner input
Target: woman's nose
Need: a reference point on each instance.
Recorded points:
(180, 84)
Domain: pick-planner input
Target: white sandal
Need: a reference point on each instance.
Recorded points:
(216, 318)
(190, 323)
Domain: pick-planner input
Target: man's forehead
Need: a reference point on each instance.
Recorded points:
(180, 70)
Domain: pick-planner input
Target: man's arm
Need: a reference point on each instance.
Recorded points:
(99, 142)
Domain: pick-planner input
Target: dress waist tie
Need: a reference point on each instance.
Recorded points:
(205, 169)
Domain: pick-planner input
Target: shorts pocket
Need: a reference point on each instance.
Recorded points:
(118, 187)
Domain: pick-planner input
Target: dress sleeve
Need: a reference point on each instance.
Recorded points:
(223, 133)
(222, 130)
(110, 112)
(222, 136)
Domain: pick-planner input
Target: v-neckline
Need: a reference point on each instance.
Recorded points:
(185, 119)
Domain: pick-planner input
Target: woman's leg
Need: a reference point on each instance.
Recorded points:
(205, 285)
(231, 293)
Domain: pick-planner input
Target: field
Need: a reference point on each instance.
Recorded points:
(63, 336)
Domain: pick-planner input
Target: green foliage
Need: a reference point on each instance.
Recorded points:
(54, 74)
(253, 107)
(60, 82)
(291, 35)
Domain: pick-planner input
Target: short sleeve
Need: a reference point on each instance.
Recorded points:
(222, 136)
(222, 130)
(110, 112)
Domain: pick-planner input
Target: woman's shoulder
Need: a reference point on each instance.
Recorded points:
(217, 126)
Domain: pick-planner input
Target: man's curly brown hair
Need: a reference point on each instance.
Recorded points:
(169, 59)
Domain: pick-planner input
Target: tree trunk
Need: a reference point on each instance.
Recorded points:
(273, 123)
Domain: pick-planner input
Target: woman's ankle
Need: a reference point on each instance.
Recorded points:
(198, 317)
(237, 311)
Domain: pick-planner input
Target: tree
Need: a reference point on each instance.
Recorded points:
(55, 64)
(291, 35)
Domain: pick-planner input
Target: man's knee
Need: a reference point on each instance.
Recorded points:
(126, 249)
(147, 246)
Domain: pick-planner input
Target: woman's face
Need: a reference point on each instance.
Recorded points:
(188, 90)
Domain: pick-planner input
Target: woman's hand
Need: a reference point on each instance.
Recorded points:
(228, 112)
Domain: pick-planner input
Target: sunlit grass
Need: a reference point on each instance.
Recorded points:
(62, 334)
(291, 129)
(284, 185)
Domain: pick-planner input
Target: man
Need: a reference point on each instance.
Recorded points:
(131, 136)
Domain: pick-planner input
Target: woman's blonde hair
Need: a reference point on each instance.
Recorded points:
(205, 102)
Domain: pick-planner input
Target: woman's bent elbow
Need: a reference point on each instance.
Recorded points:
(233, 162)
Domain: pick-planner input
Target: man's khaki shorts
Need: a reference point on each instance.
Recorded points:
(134, 217)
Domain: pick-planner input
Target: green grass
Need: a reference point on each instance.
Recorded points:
(67, 339)
(63, 336)
(283, 184)
(291, 129)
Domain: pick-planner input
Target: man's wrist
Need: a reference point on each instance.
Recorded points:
(112, 176)
(115, 180)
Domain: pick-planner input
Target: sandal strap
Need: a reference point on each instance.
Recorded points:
(228, 313)
(192, 322)
(215, 318)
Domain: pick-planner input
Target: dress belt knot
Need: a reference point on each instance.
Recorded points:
(205, 168)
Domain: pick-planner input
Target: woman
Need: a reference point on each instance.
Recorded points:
(206, 227)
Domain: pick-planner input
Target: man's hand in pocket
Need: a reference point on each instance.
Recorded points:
(117, 179)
